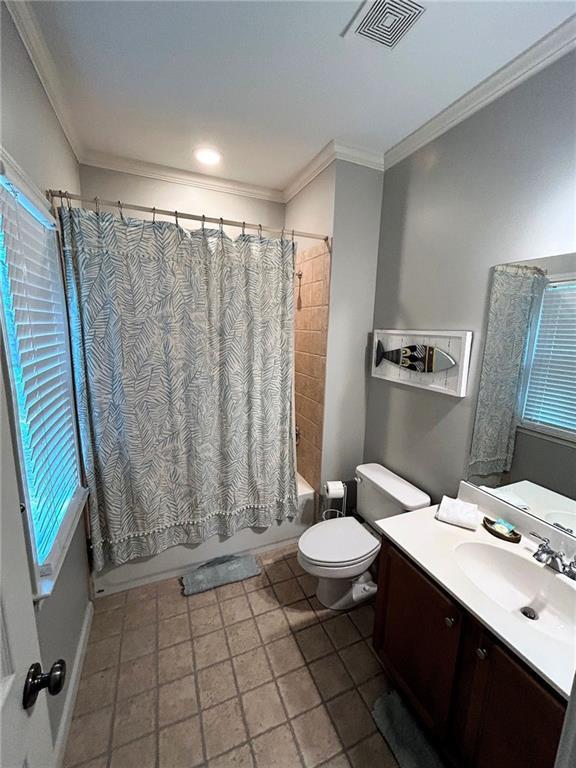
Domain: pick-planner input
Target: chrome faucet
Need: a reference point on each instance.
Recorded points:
(553, 559)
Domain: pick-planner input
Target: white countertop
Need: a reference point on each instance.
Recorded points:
(431, 545)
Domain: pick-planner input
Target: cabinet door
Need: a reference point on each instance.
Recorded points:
(417, 637)
(520, 720)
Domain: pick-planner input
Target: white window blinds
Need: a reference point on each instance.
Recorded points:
(551, 392)
(36, 340)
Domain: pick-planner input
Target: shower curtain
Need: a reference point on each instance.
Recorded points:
(513, 295)
(182, 350)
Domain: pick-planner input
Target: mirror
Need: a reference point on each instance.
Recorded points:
(524, 440)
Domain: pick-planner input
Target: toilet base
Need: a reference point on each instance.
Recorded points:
(343, 594)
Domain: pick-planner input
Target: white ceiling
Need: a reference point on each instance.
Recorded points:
(269, 83)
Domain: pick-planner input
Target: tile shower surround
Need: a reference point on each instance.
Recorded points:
(311, 332)
(256, 674)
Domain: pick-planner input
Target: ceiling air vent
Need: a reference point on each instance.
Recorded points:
(385, 21)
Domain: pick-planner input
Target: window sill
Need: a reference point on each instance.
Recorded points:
(45, 584)
(549, 433)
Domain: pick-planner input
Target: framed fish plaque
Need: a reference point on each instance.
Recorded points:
(435, 360)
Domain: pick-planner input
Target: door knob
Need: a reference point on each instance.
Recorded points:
(36, 681)
(449, 621)
(482, 653)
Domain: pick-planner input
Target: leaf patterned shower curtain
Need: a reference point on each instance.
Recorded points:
(514, 292)
(182, 348)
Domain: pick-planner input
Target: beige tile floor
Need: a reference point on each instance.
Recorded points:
(250, 675)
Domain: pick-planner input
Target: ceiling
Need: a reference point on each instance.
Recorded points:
(268, 83)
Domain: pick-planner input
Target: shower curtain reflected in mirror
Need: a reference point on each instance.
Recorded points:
(182, 348)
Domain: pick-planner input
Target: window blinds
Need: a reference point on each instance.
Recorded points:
(35, 334)
(551, 391)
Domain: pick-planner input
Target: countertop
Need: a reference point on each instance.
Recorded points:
(431, 545)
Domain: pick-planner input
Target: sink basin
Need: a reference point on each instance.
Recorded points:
(516, 583)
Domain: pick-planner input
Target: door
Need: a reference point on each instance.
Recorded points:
(520, 720)
(417, 636)
(26, 739)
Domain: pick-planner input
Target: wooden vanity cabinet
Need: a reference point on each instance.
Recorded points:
(417, 637)
(503, 714)
(482, 705)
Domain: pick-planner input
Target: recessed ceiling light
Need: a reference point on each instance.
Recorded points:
(208, 156)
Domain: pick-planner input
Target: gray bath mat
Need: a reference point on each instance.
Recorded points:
(406, 739)
(221, 570)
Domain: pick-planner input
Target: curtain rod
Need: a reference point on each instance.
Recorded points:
(97, 201)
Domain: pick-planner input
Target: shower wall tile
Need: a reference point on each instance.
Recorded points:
(309, 409)
(313, 342)
(311, 365)
(311, 332)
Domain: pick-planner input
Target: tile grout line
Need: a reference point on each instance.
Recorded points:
(196, 687)
(249, 741)
(274, 677)
(116, 686)
(157, 719)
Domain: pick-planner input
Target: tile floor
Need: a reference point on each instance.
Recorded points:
(251, 675)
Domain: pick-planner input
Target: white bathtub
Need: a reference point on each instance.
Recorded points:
(178, 560)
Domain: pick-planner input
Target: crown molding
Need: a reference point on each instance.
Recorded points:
(177, 176)
(33, 39)
(546, 51)
(334, 150)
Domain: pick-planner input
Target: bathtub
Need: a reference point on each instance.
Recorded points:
(178, 560)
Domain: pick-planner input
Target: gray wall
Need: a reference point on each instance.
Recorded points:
(32, 135)
(499, 187)
(114, 185)
(30, 130)
(312, 209)
(547, 461)
(357, 210)
(344, 201)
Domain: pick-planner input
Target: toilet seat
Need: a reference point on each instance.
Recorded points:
(338, 543)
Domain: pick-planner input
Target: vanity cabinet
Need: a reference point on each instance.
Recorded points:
(418, 636)
(481, 704)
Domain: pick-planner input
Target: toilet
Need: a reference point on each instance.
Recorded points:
(340, 551)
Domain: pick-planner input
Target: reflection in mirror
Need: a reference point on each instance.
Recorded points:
(524, 441)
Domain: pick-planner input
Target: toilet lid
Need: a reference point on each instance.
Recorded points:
(342, 540)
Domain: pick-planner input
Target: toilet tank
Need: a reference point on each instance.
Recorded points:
(381, 493)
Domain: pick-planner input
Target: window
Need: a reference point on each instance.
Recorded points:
(550, 398)
(34, 324)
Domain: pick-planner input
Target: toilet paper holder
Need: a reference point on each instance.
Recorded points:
(334, 489)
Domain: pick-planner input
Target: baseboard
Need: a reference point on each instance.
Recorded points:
(72, 688)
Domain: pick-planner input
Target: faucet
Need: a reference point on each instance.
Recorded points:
(554, 559)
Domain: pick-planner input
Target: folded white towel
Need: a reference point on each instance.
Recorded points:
(509, 496)
(458, 512)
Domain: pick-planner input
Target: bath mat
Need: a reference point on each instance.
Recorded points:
(408, 742)
(221, 570)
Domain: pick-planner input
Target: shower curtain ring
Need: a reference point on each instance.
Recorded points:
(260, 231)
(154, 215)
(120, 210)
(97, 201)
(203, 222)
(68, 201)
(282, 234)
(292, 237)
(176, 218)
(221, 226)
(243, 227)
